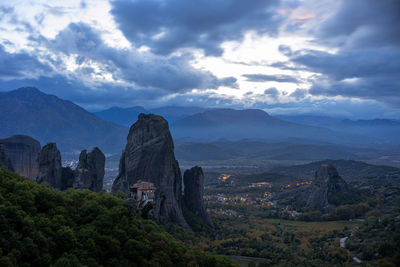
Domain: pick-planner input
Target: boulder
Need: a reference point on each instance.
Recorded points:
(149, 156)
(23, 152)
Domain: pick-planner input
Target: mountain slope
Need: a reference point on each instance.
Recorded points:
(384, 130)
(251, 123)
(50, 119)
(121, 116)
(174, 113)
(128, 116)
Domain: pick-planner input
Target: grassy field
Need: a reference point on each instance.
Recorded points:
(310, 226)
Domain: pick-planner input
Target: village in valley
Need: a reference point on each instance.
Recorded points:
(222, 200)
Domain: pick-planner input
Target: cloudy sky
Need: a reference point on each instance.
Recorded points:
(338, 58)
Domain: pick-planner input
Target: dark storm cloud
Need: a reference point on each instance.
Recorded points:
(364, 73)
(351, 63)
(146, 77)
(363, 23)
(173, 73)
(384, 88)
(165, 26)
(20, 65)
(77, 38)
(270, 78)
(366, 64)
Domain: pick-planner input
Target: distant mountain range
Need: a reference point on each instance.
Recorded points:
(48, 118)
(252, 124)
(128, 116)
(195, 123)
(383, 130)
(122, 116)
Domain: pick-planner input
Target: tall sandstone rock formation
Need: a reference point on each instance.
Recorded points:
(49, 162)
(193, 180)
(23, 152)
(326, 184)
(5, 160)
(88, 175)
(90, 171)
(149, 156)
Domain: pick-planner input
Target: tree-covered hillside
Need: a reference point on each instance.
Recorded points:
(41, 226)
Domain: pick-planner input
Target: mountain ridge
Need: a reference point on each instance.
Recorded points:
(48, 118)
(382, 130)
(251, 124)
(127, 116)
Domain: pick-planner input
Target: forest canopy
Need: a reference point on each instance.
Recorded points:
(41, 226)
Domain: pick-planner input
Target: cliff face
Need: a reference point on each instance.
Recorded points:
(193, 197)
(88, 175)
(49, 162)
(90, 171)
(23, 152)
(5, 161)
(326, 184)
(149, 156)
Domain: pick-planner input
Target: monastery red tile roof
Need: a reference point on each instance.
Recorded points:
(143, 185)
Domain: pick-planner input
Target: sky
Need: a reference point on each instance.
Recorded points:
(336, 57)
